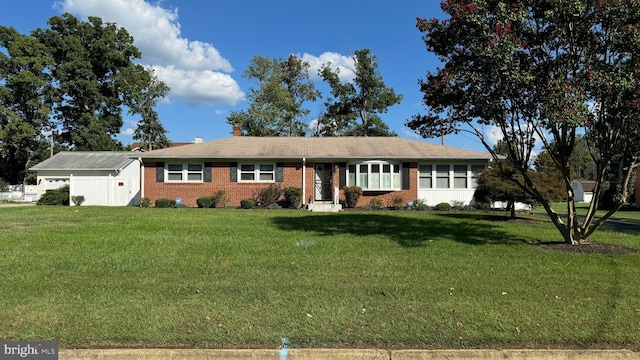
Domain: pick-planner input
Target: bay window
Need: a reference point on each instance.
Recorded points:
(374, 175)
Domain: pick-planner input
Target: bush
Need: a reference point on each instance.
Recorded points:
(164, 203)
(457, 204)
(247, 203)
(482, 206)
(443, 206)
(219, 199)
(352, 195)
(367, 208)
(421, 207)
(397, 203)
(269, 195)
(145, 203)
(292, 197)
(77, 200)
(274, 206)
(204, 202)
(376, 204)
(55, 197)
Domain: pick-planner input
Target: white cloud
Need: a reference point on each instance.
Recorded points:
(344, 63)
(493, 134)
(127, 131)
(156, 33)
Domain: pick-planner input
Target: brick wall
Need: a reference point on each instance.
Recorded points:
(387, 197)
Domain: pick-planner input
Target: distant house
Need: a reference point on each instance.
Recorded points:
(138, 146)
(102, 177)
(384, 167)
(583, 190)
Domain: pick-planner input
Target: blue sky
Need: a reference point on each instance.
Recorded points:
(200, 49)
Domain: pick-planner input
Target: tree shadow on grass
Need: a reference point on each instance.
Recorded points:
(406, 231)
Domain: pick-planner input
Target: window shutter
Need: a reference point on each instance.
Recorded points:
(206, 177)
(279, 172)
(233, 172)
(406, 181)
(343, 175)
(160, 172)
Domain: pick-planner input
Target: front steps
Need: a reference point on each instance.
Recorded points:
(319, 206)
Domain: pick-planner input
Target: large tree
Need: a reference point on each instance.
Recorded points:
(142, 90)
(540, 69)
(25, 103)
(87, 58)
(276, 102)
(355, 107)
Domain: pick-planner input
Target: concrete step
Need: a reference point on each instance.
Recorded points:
(324, 207)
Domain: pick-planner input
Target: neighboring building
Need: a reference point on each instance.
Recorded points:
(583, 190)
(103, 177)
(138, 146)
(384, 167)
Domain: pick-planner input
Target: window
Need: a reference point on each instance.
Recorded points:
(184, 172)
(375, 175)
(425, 180)
(442, 176)
(460, 176)
(475, 171)
(257, 172)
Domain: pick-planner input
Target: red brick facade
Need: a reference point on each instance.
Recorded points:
(189, 192)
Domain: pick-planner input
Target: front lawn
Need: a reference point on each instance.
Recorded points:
(224, 278)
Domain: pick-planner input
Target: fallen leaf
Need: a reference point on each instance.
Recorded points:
(222, 326)
(504, 293)
(459, 323)
(199, 292)
(349, 330)
(207, 318)
(309, 315)
(518, 329)
(78, 297)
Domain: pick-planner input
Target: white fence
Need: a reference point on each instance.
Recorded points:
(105, 190)
(18, 193)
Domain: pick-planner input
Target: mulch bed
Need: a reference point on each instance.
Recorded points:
(604, 249)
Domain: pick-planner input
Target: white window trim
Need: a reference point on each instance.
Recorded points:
(257, 172)
(185, 172)
(471, 178)
(393, 166)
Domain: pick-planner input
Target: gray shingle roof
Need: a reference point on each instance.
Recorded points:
(85, 160)
(247, 147)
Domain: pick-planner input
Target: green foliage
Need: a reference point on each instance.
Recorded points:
(77, 200)
(268, 195)
(204, 202)
(145, 202)
(274, 206)
(457, 204)
(247, 203)
(352, 195)
(58, 196)
(219, 199)
(276, 104)
(421, 206)
(292, 197)
(443, 206)
(376, 204)
(354, 107)
(164, 203)
(4, 185)
(397, 203)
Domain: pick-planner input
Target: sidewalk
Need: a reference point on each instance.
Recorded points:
(344, 354)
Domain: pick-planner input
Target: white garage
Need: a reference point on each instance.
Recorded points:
(105, 178)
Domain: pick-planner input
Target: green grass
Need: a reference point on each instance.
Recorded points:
(223, 278)
(627, 213)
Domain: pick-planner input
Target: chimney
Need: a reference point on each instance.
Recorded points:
(237, 130)
(197, 140)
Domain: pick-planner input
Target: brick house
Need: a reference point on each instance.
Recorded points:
(384, 167)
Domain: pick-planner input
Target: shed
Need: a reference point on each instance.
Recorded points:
(582, 190)
(106, 178)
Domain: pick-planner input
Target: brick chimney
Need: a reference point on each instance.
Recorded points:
(237, 130)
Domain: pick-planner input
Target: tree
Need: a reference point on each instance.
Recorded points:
(276, 103)
(540, 69)
(87, 58)
(142, 92)
(24, 103)
(581, 164)
(354, 108)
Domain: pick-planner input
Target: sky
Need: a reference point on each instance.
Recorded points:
(201, 48)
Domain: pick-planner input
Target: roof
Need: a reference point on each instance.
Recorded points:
(587, 185)
(248, 147)
(85, 160)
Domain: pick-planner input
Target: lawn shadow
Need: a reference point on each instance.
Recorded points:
(406, 231)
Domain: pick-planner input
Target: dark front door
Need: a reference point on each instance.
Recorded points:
(323, 182)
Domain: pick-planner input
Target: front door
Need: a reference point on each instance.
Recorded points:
(323, 182)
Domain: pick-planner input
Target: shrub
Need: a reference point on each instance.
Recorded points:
(457, 204)
(145, 203)
(368, 208)
(482, 206)
(204, 202)
(163, 203)
(274, 206)
(421, 207)
(352, 195)
(247, 203)
(77, 200)
(219, 199)
(55, 197)
(443, 206)
(397, 203)
(292, 197)
(376, 204)
(268, 195)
